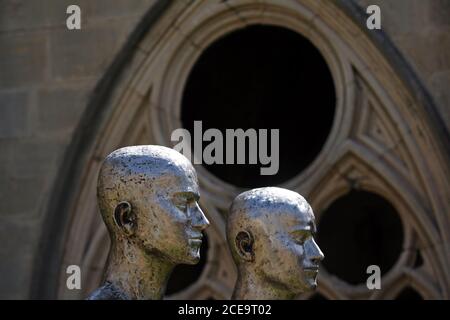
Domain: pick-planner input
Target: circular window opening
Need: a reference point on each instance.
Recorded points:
(185, 275)
(358, 230)
(261, 77)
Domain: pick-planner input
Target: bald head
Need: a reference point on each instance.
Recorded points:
(270, 232)
(148, 194)
(130, 172)
(263, 211)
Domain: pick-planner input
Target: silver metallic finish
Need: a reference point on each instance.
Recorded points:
(148, 196)
(270, 235)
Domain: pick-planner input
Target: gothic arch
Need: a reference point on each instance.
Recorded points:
(384, 129)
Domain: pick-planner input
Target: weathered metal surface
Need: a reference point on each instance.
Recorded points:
(148, 196)
(270, 234)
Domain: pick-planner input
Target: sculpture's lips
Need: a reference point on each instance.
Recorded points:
(314, 269)
(195, 242)
(196, 237)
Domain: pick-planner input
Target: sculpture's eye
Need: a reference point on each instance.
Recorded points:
(184, 200)
(300, 237)
(181, 203)
(183, 206)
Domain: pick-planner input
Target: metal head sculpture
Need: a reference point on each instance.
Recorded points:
(148, 196)
(270, 235)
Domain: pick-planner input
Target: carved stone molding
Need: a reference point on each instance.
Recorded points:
(380, 142)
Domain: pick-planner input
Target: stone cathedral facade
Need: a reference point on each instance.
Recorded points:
(363, 118)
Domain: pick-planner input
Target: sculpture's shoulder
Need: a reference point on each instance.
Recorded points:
(108, 292)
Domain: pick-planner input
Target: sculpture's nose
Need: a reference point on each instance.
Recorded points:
(198, 218)
(314, 253)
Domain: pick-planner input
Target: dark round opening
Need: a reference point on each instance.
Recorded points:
(185, 275)
(358, 230)
(262, 77)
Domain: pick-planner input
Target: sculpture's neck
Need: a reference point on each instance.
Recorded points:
(137, 274)
(251, 286)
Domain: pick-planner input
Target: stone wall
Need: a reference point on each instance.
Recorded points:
(421, 31)
(48, 73)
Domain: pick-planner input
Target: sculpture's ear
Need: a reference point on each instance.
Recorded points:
(244, 245)
(125, 218)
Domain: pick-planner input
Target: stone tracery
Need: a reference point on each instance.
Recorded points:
(380, 141)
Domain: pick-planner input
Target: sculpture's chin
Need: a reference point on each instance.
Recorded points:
(192, 260)
(194, 256)
(312, 284)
